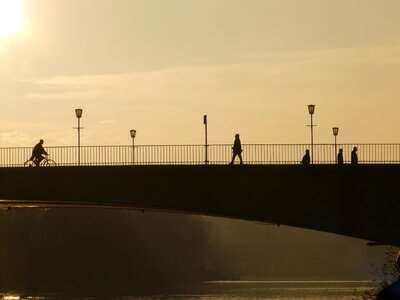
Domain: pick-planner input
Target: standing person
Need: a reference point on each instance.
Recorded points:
(37, 153)
(237, 149)
(340, 157)
(306, 158)
(354, 157)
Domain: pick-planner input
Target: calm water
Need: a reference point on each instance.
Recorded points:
(241, 290)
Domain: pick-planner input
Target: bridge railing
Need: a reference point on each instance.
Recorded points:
(195, 154)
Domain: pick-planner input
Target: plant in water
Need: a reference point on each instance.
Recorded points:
(383, 275)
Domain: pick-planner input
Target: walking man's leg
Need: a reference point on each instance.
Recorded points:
(233, 158)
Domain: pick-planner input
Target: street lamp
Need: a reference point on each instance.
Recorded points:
(206, 142)
(133, 135)
(78, 113)
(311, 109)
(335, 131)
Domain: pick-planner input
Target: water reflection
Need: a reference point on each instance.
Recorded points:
(11, 297)
(239, 290)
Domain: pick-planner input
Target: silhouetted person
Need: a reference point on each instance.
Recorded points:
(340, 157)
(391, 292)
(38, 152)
(237, 149)
(354, 157)
(306, 158)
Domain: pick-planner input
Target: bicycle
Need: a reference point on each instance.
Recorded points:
(46, 162)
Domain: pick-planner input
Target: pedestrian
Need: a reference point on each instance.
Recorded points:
(306, 158)
(340, 157)
(237, 149)
(354, 157)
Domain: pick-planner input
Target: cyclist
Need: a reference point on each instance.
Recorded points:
(37, 153)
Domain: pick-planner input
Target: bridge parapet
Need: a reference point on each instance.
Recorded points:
(358, 201)
(195, 154)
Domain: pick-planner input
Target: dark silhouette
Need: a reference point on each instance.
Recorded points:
(37, 153)
(237, 149)
(306, 158)
(391, 292)
(354, 157)
(340, 157)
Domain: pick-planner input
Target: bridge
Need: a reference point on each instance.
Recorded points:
(358, 201)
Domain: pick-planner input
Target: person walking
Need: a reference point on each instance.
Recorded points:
(354, 157)
(340, 157)
(237, 149)
(306, 158)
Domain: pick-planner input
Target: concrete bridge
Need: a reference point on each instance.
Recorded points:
(359, 201)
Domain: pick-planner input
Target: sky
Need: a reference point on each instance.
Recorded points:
(158, 66)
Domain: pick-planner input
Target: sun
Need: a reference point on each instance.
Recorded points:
(10, 16)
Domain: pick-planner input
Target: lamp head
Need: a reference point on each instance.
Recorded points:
(335, 131)
(311, 108)
(78, 113)
(133, 133)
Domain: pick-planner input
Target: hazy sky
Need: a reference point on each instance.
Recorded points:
(157, 66)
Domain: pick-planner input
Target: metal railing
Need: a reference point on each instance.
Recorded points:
(195, 154)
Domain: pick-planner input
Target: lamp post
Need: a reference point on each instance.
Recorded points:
(335, 131)
(206, 142)
(311, 109)
(78, 113)
(133, 135)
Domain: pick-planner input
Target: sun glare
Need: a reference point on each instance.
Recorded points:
(10, 16)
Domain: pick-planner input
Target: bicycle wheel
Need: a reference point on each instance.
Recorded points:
(29, 163)
(49, 163)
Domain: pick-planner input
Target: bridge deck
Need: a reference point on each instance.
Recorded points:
(356, 201)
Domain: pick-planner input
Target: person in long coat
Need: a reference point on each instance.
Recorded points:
(306, 158)
(354, 157)
(237, 149)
